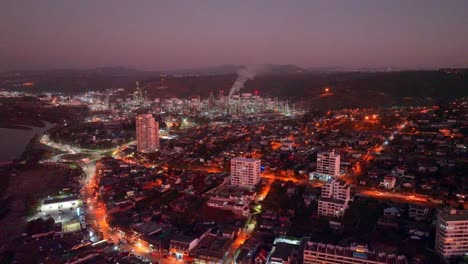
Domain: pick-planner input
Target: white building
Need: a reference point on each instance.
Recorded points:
(328, 163)
(67, 203)
(287, 145)
(334, 199)
(358, 254)
(388, 182)
(237, 207)
(245, 172)
(147, 131)
(452, 233)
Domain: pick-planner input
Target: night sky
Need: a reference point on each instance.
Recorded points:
(157, 35)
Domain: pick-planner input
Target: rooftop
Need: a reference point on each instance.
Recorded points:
(149, 228)
(212, 246)
(282, 251)
(454, 215)
(245, 159)
(61, 200)
(332, 200)
(358, 252)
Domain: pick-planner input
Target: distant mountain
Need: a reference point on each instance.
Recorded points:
(227, 69)
(348, 89)
(358, 88)
(286, 69)
(354, 69)
(74, 80)
(121, 71)
(215, 70)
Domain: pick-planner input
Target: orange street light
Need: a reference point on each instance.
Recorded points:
(366, 117)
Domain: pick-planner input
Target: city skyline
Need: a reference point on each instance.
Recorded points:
(152, 35)
(234, 132)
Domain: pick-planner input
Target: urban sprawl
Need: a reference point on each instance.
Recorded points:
(243, 178)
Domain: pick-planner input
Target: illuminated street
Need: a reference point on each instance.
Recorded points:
(96, 209)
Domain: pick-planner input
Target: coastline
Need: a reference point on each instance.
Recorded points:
(24, 125)
(31, 134)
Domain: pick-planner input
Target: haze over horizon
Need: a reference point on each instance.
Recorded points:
(155, 35)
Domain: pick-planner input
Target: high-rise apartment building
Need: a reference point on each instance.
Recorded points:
(245, 172)
(147, 131)
(452, 233)
(328, 163)
(334, 199)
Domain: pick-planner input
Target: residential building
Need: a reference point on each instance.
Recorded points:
(245, 172)
(281, 253)
(452, 233)
(328, 163)
(237, 207)
(334, 199)
(418, 212)
(357, 254)
(388, 182)
(287, 145)
(147, 132)
(212, 249)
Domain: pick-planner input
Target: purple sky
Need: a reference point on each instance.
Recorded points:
(156, 35)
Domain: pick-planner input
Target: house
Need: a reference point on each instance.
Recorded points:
(388, 182)
(418, 212)
(392, 212)
(212, 249)
(181, 244)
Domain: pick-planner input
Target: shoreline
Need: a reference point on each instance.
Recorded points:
(19, 127)
(38, 132)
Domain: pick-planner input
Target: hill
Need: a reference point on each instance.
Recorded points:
(355, 89)
(348, 89)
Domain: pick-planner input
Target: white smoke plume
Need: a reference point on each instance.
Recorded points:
(247, 73)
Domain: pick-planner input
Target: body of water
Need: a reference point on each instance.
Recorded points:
(14, 141)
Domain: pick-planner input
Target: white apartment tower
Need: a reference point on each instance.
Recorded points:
(452, 233)
(328, 163)
(245, 172)
(147, 131)
(334, 199)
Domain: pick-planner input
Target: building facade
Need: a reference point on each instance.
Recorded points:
(147, 131)
(334, 199)
(328, 163)
(245, 172)
(317, 253)
(452, 233)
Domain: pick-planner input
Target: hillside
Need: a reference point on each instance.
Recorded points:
(349, 89)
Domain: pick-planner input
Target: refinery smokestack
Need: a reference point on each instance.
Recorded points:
(245, 74)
